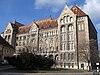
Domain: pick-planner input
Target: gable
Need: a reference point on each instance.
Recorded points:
(65, 12)
(33, 28)
(9, 28)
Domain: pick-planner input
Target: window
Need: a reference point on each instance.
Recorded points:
(16, 44)
(63, 29)
(70, 27)
(64, 19)
(68, 18)
(61, 21)
(19, 43)
(52, 48)
(33, 41)
(63, 46)
(71, 19)
(71, 46)
(33, 35)
(64, 56)
(6, 37)
(41, 41)
(68, 56)
(24, 37)
(80, 27)
(46, 41)
(72, 56)
(61, 56)
(63, 37)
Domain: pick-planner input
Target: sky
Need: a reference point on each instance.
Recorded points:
(26, 11)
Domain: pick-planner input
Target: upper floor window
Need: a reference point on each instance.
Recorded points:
(63, 46)
(63, 29)
(8, 37)
(33, 41)
(71, 46)
(68, 18)
(71, 36)
(46, 41)
(80, 27)
(64, 19)
(41, 41)
(33, 35)
(71, 19)
(61, 21)
(72, 56)
(70, 27)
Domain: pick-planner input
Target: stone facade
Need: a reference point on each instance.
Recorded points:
(58, 38)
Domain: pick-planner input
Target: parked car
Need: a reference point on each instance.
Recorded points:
(4, 62)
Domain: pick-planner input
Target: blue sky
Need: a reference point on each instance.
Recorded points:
(26, 11)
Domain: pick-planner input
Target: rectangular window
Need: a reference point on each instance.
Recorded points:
(82, 27)
(79, 27)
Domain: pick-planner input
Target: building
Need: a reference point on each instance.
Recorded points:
(58, 38)
(6, 50)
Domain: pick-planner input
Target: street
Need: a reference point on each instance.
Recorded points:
(9, 70)
(87, 73)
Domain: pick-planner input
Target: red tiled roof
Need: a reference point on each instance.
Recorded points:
(47, 23)
(76, 10)
(41, 24)
(24, 29)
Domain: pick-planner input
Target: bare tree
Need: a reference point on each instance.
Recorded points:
(88, 52)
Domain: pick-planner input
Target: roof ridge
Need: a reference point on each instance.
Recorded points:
(78, 11)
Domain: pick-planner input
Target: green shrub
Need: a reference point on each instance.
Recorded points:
(30, 61)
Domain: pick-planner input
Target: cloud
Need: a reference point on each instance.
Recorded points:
(98, 26)
(53, 5)
(92, 8)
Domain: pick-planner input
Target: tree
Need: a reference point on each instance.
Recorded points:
(88, 52)
(30, 61)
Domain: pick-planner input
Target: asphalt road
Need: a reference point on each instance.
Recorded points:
(7, 67)
(3, 67)
(87, 73)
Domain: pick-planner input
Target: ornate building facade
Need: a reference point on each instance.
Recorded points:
(58, 38)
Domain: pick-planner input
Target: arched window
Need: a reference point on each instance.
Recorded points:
(6, 37)
(63, 29)
(61, 21)
(64, 19)
(70, 27)
(51, 56)
(71, 19)
(68, 18)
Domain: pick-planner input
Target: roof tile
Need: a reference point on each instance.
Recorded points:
(76, 10)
